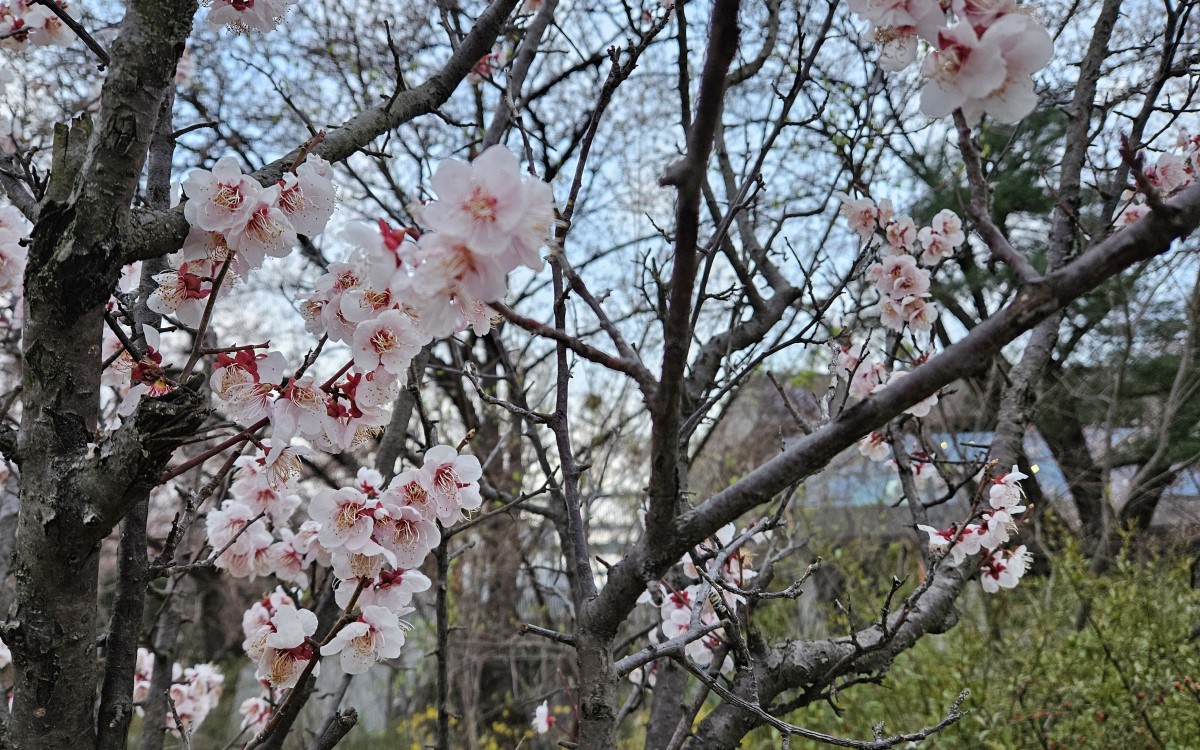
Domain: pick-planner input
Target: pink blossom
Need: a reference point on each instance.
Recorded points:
(875, 447)
(861, 214)
(347, 518)
(240, 16)
(388, 342)
(392, 589)
(13, 254)
(182, 292)
(1004, 570)
(216, 197)
(307, 198)
(301, 409)
(261, 497)
(919, 15)
(960, 67)
(260, 227)
(453, 481)
(866, 378)
(901, 232)
(406, 534)
(256, 714)
(481, 202)
(1026, 47)
(286, 650)
(287, 559)
(543, 719)
(949, 225)
(412, 489)
(376, 635)
(919, 312)
(900, 277)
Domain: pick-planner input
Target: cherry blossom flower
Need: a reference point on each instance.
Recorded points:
(240, 16)
(925, 15)
(535, 228)
(260, 227)
(862, 215)
(918, 312)
(407, 534)
(143, 670)
(287, 558)
(392, 589)
(848, 357)
(13, 257)
(986, 74)
(1005, 494)
(215, 198)
(247, 382)
(256, 714)
(367, 562)
(866, 378)
(286, 651)
(487, 66)
(875, 447)
(388, 342)
(301, 409)
(308, 197)
(346, 517)
(1003, 569)
(1169, 173)
(449, 267)
(901, 233)
(182, 292)
(205, 246)
(1131, 214)
(898, 276)
(260, 497)
(453, 481)
(306, 540)
(481, 202)
(282, 462)
(1026, 47)
(543, 719)
(375, 636)
(891, 314)
(939, 539)
(411, 489)
(245, 540)
(206, 683)
(949, 225)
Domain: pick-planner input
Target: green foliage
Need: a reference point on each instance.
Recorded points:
(1129, 673)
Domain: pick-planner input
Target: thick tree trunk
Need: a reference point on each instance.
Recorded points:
(597, 693)
(73, 491)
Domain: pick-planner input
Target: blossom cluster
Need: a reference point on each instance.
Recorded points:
(867, 375)
(235, 221)
(1170, 173)
(25, 22)
(907, 255)
(987, 534)
(982, 62)
(725, 574)
(373, 536)
(195, 691)
(398, 290)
